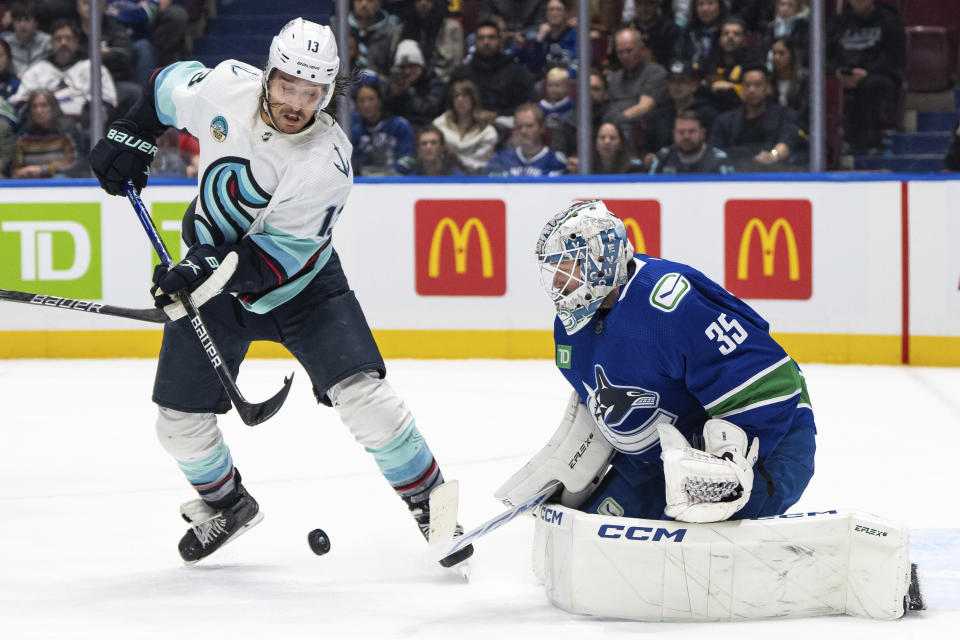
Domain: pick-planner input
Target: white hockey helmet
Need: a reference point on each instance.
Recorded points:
(305, 50)
(583, 253)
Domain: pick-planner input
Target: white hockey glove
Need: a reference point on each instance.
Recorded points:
(577, 455)
(709, 485)
(211, 287)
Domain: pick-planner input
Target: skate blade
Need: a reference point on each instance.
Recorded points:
(254, 521)
(461, 570)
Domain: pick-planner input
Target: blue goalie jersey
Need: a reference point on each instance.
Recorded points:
(676, 347)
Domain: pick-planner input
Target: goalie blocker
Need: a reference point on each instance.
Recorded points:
(793, 565)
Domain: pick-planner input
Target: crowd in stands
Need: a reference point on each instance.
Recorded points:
(45, 78)
(676, 86)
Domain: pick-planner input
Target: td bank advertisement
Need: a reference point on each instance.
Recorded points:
(845, 271)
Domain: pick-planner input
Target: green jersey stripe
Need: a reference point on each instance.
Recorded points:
(776, 385)
(710, 405)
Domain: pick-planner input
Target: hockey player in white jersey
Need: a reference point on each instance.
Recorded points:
(275, 174)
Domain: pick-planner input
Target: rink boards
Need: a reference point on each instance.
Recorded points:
(846, 270)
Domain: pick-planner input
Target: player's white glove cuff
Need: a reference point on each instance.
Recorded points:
(710, 485)
(211, 287)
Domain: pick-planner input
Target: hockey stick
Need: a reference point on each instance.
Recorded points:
(147, 315)
(251, 414)
(173, 311)
(445, 500)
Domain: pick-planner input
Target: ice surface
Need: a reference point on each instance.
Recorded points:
(89, 507)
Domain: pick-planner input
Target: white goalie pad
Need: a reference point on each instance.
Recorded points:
(794, 565)
(577, 455)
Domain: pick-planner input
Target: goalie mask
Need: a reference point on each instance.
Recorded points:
(583, 253)
(306, 50)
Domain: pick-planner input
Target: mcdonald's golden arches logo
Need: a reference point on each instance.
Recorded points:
(768, 249)
(642, 220)
(460, 247)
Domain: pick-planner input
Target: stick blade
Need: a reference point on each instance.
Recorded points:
(254, 414)
(444, 504)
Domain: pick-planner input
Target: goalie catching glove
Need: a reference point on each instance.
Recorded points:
(709, 485)
(125, 153)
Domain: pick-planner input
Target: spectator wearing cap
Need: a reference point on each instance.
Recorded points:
(531, 157)
(698, 41)
(27, 43)
(556, 42)
(686, 93)
(758, 135)
(433, 157)
(725, 73)
(866, 51)
(638, 86)
(413, 92)
(439, 36)
(690, 152)
(382, 145)
(658, 32)
(503, 83)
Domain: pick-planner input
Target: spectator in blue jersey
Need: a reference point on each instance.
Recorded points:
(690, 152)
(556, 101)
(530, 157)
(555, 44)
(694, 410)
(382, 145)
(9, 82)
(433, 157)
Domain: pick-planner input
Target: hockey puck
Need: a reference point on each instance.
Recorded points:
(318, 541)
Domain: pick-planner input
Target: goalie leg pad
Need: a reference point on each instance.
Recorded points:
(577, 455)
(796, 565)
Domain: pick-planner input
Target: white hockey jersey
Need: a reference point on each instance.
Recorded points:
(282, 192)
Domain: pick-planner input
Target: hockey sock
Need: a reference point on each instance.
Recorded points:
(408, 465)
(214, 477)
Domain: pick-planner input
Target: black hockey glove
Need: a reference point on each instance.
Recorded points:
(188, 274)
(123, 154)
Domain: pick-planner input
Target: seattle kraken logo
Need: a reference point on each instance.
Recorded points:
(612, 404)
(229, 195)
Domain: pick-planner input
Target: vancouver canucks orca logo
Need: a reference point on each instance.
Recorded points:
(627, 416)
(230, 196)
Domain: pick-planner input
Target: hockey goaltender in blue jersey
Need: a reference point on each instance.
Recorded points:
(677, 347)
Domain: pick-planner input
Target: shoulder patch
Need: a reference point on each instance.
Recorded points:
(218, 128)
(669, 291)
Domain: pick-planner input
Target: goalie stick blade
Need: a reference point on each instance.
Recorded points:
(453, 545)
(444, 504)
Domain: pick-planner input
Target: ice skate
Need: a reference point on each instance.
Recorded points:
(211, 529)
